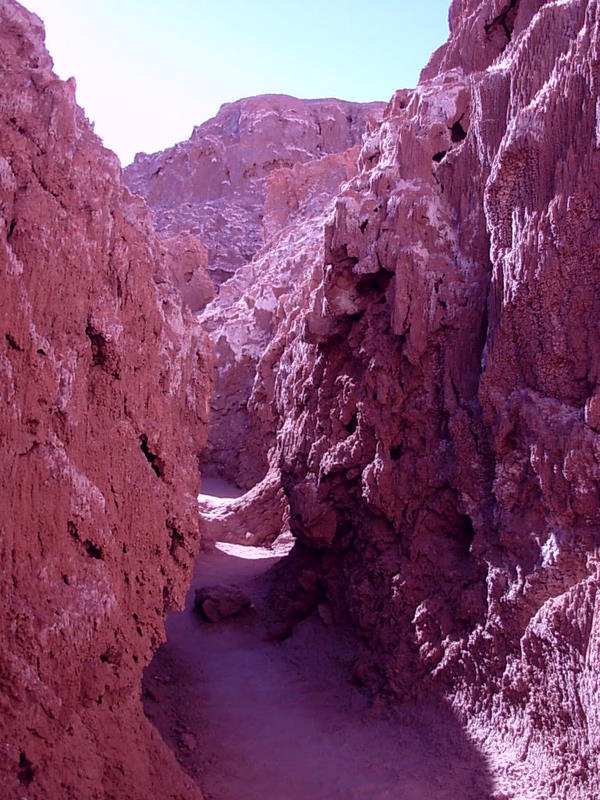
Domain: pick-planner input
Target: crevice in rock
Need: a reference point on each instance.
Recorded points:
(499, 30)
(12, 343)
(153, 459)
(466, 532)
(26, 771)
(457, 132)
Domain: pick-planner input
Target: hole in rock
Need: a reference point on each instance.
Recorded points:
(356, 317)
(352, 425)
(439, 156)
(92, 550)
(98, 343)
(457, 132)
(374, 285)
(396, 452)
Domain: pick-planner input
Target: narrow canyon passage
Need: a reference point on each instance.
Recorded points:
(252, 718)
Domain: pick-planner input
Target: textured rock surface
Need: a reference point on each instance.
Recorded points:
(214, 185)
(104, 384)
(437, 402)
(250, 307)
(250, 184)
(186, 263)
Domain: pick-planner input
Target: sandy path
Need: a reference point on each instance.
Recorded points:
(258, 720)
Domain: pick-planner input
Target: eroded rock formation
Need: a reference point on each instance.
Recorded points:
(435, 381)
(105, 384)
(249, 308)
(254, 185)
(256, 518)
(423, 366)
(214, 185)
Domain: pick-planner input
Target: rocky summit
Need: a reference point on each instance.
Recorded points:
(375, 328)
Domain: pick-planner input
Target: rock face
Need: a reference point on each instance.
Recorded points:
(214, 185)
(419, 368)
(253, 185)
(250, 307)
(256, 518)
(186, 268)
(105, 383)
(435, 381)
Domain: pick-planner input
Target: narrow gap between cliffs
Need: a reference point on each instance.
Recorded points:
(253, 714)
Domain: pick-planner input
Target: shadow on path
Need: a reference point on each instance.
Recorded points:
(252, 719)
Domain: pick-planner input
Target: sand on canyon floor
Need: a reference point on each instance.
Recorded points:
(255, 719)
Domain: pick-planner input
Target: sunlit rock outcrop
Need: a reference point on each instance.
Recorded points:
(435, 382)
(214, 184)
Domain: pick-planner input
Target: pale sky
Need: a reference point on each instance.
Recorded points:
(147, 71)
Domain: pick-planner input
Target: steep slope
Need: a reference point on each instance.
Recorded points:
(214, 185)
(435, 384)
(104, 405)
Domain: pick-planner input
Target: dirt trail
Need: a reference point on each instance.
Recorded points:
(254, 719)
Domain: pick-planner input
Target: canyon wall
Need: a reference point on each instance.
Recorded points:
(247, 312)
(253, 185)
(435, 386)
(417, 364)
(105, 384)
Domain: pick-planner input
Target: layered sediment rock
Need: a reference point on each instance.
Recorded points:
(105, 383)
(437, 396)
